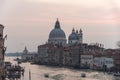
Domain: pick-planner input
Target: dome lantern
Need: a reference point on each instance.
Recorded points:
(57, 24)
(73, 30)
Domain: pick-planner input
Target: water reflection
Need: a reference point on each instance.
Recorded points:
(38, 72)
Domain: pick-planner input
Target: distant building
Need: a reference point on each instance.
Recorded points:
(27, 56)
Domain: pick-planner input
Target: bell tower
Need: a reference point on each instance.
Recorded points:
(80, 36)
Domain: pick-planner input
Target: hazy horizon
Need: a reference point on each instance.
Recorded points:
(29, 22)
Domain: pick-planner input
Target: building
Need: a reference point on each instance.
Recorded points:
(87, 60)
(115, 54)
(42, 57)
(116, 57)
(27, 56)
(75, 53)
(2, 52)
(100, 62)
(50, 54)
(58, 52)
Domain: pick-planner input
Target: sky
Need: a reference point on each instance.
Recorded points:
(29, 22)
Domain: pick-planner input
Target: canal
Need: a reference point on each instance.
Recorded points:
(38, 71)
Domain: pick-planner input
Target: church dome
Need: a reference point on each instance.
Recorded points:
(73, 35)
(57, 32)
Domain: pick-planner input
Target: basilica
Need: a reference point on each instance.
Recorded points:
(72, 53)
(58, 37)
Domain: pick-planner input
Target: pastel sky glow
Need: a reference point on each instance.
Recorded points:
(28, 22)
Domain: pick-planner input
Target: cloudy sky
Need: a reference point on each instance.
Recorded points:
(29, 22)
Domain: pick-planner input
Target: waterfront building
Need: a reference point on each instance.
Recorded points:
(56, 56)
(50, 54)
(42, 57)
(87, 60)
(67, 59)
(115, 54)
(96, 48)
(116, 57)
(75, 56)
(81, 55)
(27, 56)
(100, 62)
(75, 53)
(58, 52)
(2, 52)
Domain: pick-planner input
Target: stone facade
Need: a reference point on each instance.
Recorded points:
(42, 56)
(87, 60)
(79, 55)
(2, 52)
(71, 56)
(50, 54)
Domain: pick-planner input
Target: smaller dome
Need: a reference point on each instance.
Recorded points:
(73, 36)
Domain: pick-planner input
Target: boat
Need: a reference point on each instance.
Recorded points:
(83, 75)
(13, 75)
(7, 65)
(16, 59)
(117, 74)
(46, 75)
(19, 61)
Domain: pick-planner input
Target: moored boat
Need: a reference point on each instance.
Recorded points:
(83, 75)
(46, 75)
(117, 74)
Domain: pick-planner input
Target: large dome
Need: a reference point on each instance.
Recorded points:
(57, 33)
